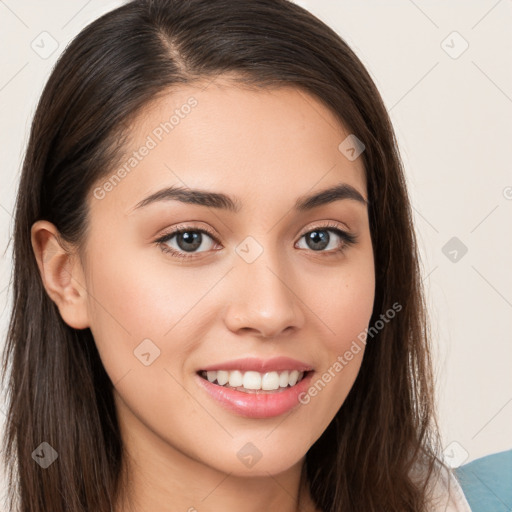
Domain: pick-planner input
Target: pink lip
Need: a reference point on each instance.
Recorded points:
(276, 364)
(254, 405)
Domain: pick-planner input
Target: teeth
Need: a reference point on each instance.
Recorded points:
(294, 376)
(283, 379)
(252, 380)
(268, 381)
(235, 379)
(222, 377)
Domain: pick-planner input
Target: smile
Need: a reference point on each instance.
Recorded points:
(255, 388)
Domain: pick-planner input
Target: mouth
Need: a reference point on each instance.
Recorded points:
(255, 388)
(254, 382)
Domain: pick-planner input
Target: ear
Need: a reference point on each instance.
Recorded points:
(62, 274)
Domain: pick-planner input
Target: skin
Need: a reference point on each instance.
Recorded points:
(267, 147)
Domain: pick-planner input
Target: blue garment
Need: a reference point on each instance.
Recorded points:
(487, 482)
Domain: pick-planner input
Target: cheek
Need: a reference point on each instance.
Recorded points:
(132, 295)
(345, 303)
(127, 305)
(133, 299)
(350, 311)
(139, 322)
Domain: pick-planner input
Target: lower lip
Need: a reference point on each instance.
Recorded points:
(254, 405)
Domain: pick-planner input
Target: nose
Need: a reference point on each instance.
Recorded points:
(263, 299)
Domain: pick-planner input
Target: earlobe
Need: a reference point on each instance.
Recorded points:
(61, 273)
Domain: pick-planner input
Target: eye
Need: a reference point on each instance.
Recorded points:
(187, 240)
(319, 239)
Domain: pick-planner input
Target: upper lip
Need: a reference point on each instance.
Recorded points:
(260, 365)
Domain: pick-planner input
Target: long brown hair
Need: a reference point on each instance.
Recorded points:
(58, 390)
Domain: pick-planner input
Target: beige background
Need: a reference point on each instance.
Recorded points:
(452, 112)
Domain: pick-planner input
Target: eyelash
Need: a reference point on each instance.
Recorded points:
(348, 239)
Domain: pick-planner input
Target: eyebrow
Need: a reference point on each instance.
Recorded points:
(225, 202)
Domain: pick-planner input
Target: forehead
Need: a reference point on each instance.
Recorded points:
(276, 143)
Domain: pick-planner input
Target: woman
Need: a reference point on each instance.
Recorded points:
(217, 302)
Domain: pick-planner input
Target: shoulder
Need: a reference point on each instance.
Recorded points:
(444, 491)
(486, 481)
(448, 495)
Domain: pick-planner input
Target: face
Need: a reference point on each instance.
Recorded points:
(261, 288)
